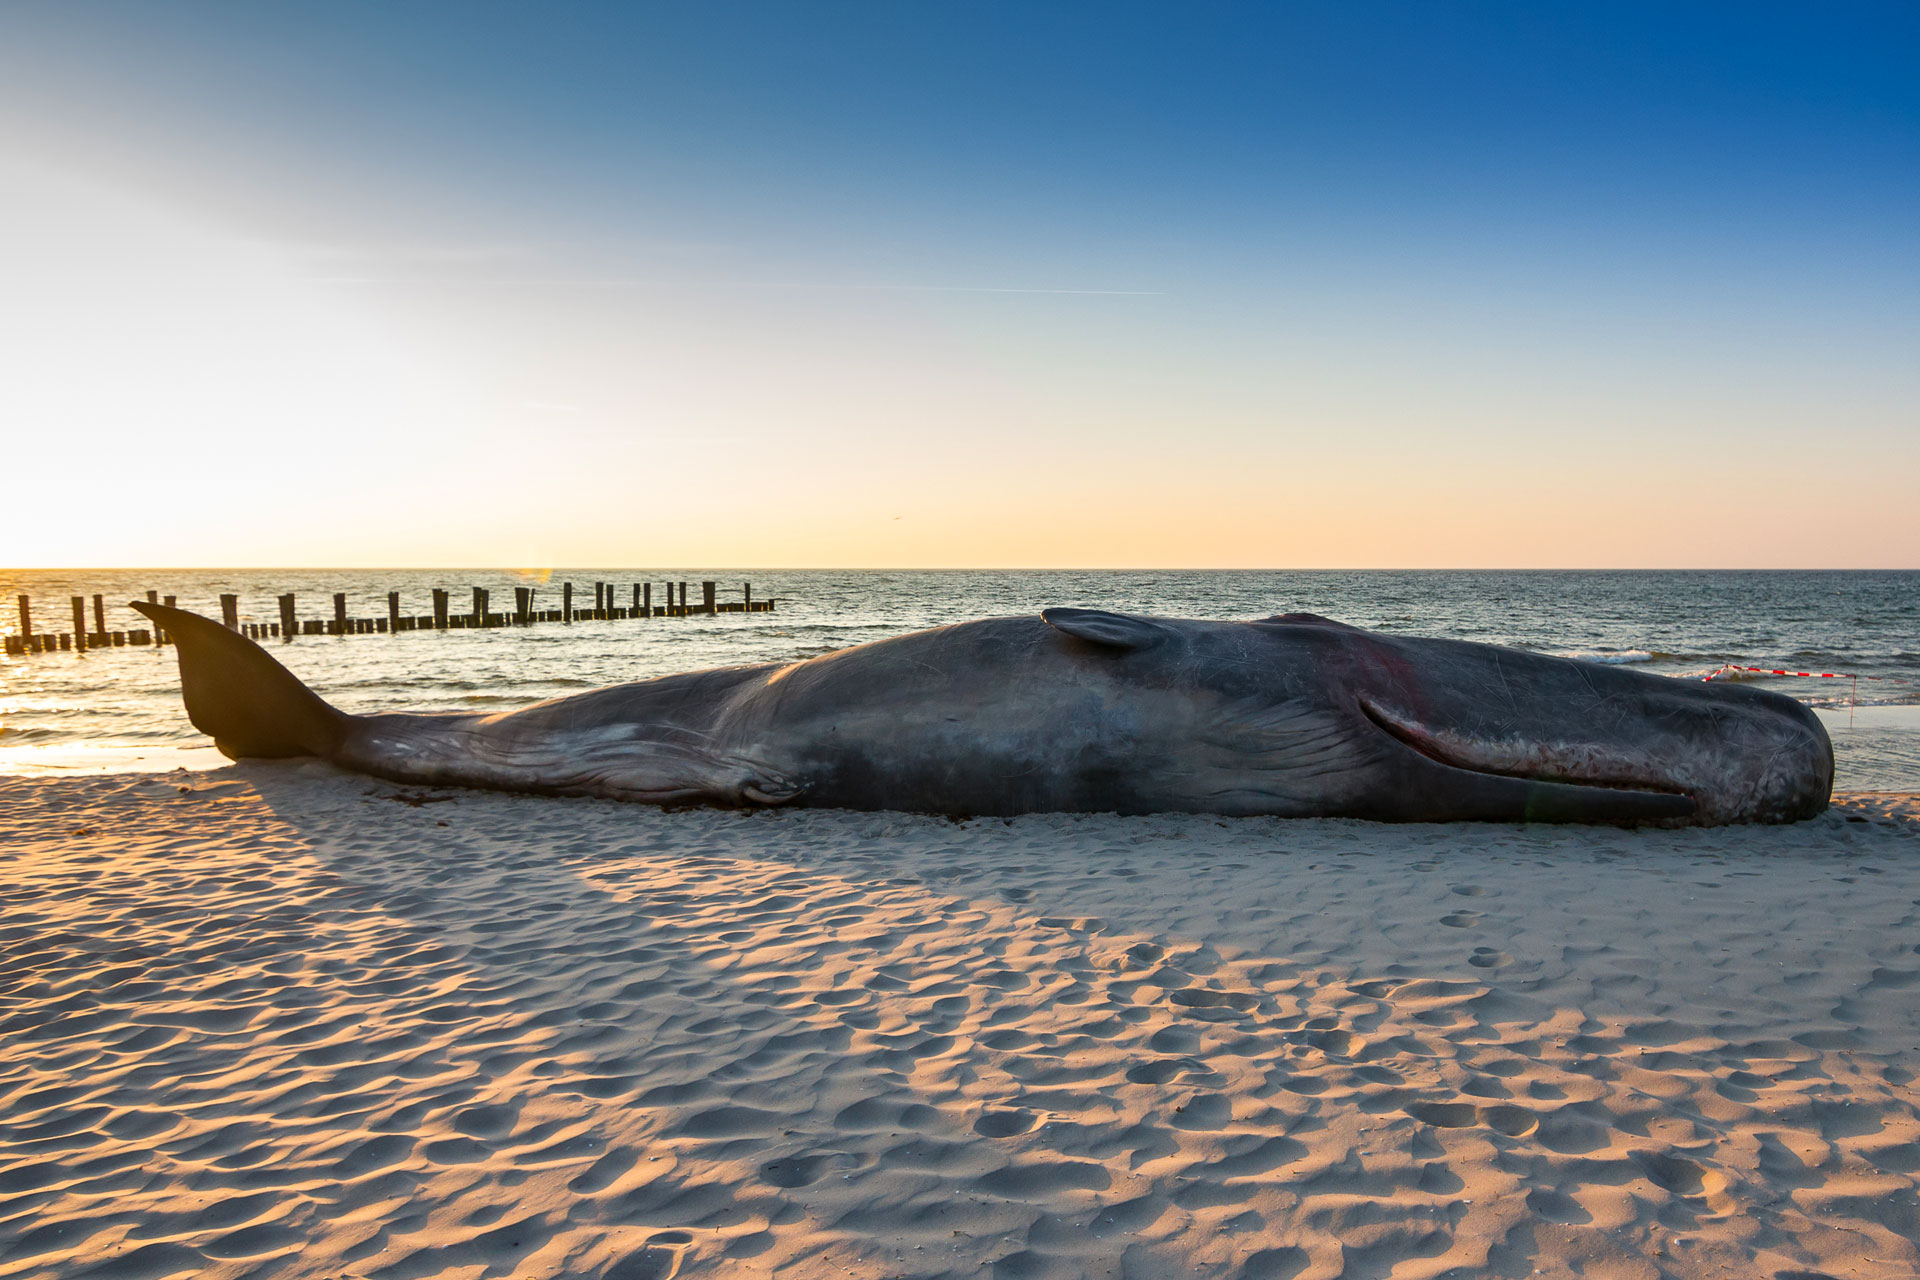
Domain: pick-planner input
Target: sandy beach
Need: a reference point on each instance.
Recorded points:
(277, 1021)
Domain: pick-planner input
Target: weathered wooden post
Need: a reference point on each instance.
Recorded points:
(100, 615)
(339, 613)
(229, 611)
(79, 624)
(26, 619)
(439, 609)
(746, 589)
(706, 597)
(480, 595)
(288, 629)
(159, 633)
(646, 599)
(393, 612)
(566, 602)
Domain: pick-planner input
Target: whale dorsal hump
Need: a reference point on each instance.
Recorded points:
(1121, 631)
(1307, 619)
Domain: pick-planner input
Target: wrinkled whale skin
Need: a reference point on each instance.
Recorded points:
(1081, 710)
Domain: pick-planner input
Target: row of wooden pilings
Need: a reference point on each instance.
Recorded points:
(443, 618)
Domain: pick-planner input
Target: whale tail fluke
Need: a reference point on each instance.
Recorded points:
(249, 704)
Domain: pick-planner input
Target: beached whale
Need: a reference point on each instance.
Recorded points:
(1081, 710)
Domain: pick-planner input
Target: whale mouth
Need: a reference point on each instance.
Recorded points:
(1581, 768)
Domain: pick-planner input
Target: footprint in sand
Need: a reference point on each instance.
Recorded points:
(658, 1259)
(1514, 1122)
(1161, 1070)
(1212, 1006)
(1003, 1124)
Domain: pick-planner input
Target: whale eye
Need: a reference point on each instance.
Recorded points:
(1120, 631)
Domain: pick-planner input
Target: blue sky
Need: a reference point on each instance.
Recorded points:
(1433, 284)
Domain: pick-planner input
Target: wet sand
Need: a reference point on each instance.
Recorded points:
(278, 1021)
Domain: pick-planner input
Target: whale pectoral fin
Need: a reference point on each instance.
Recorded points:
(1121, 631)
(743, 781)
(772, 792)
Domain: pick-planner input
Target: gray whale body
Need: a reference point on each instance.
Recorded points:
(1082, 710)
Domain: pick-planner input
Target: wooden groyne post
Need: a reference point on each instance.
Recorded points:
(92, 633)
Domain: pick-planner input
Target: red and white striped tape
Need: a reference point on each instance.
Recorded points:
(1775, 671)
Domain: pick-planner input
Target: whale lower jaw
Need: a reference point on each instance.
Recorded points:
(1587, 782)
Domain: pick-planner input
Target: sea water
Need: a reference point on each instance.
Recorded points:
(120, 708)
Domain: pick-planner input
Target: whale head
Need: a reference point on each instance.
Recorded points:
(1387, 726)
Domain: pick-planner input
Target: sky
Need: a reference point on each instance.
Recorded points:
(950, 285)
